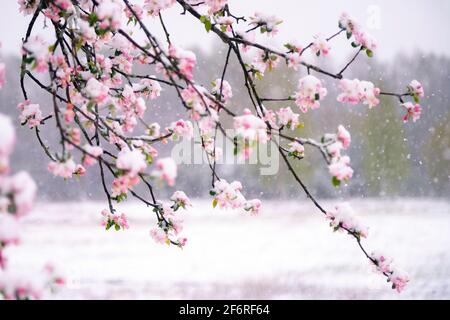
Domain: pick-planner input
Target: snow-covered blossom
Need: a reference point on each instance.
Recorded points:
(7, 141)
(31, 113)
(122, 184)
(294, 60)
(114, 221)
(413, 111)
(166, 169)
(186, 60)
(154, 7)
(181, 199)
(383, 265)
(37, 49)
(356, 91)
(250, 127)
(224, 22)
(150, 88)
(195, 98)
(21, 190)
(63, 169)
(253, 206)
(109, 13)
(228, 195)
(320, 45)
(93, 152)
(296, 149)
(132, 161)
(266, 23)
(215, 5)
(182, 129)
(309, 92)
(96, 90)
(159, 236)
(224, 88)
(343, 218)
(263, 61)
(288, 118)
(340, 168)
(344, 136)
(416, 88)
(361, 38)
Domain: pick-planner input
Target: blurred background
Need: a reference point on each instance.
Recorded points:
(401, 184)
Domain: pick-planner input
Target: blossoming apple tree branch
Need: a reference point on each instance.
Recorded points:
(99, 103)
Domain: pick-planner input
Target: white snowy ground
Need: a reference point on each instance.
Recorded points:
(288, 252)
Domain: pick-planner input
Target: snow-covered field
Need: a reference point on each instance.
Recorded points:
(288, 252)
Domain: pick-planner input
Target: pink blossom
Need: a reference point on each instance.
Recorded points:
(30, 114)
(37, 48)
(228, 195)
(215, 5)
(224, 88)
(97, 91)
(181, 199)
(416, 88)
(225, 23)
(356, 91)
(151, 88)
(196, 99)
(22, 190)
(166, 169)
(132, 161)
(340, 168)
(288, 118)
(7, 142)
(267, 23)
(343, 218)
(122, 184)
(413, 111)
(109, 12)
(344, 136)
(159, 236)
(154, 7)
(253, 206)
(79, 170)
(113, 220)
(250, 127)
(186, 60)
(310, 92)
(63, 169)
(181, 128)
(383, 265)
(320, 45)
(297, 149)
(93, 152)
(294, 60)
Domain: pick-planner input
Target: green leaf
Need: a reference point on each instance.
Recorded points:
(336, 182)
(317, 97)
(355, 45)
(369, 53)
(349, 35)
(207, 22)
(416, 98)
(117, 227)
(214, 203)
(212, 193)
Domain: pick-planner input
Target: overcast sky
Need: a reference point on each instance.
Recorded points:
(399, 26)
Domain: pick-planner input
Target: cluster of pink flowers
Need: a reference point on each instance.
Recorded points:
(339, 166)
(222, 90)
(115, 221)
(320, 45)
(170, 223)
(37, 50)
(182, 129)
(296, 149)
(109, 13)
(413, 110)
(228, 196)
(64, 169)
(309, 92)
(249, 130)
(383, 265)
(356, 91)
(287, 118)
(185, 60)
(97, 91)
(360, 37)
(154, 7)
(343, 218)
(30, 113)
